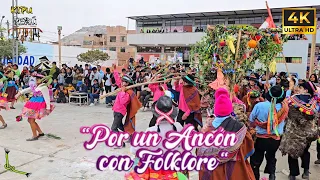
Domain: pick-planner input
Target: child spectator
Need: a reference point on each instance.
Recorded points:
(61, 94)
(55, 85)
(95, 92)
(70, 88)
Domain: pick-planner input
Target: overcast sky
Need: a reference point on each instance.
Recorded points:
(74, 14)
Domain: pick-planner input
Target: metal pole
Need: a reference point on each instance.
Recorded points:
(59, 38)
(8, 28)
(1, 31)
(12, 30)
(17, 38)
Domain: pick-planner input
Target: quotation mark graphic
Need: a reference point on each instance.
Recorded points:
(85, 130)
(223, 154)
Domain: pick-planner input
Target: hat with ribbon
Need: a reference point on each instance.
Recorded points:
(275, 95)
(189, 79)
(163, 109)
(127, 79)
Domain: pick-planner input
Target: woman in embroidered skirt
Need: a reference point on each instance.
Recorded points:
(12, 87)
(3, 99)
(38, 106)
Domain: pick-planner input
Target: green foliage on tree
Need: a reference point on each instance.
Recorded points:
(6, 48)
(218, 50)
(93, 57)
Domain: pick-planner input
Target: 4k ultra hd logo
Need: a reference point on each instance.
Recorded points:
(299, 21)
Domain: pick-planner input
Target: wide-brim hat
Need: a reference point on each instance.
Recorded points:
(165, 105)
(276, 92)
(127, 79)
(189, 79)
(35, 74)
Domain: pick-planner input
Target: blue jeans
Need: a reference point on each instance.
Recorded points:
(93, 96)
(109, 99)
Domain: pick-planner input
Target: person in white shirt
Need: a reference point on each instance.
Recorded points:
(86, 70)
(108, 82)
(95, 75)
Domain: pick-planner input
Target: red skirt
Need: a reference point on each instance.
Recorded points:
(11, 91)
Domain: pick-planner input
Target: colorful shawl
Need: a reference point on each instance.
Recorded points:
(192, 97)
(132, 110)
(281, 115)
(228, 125)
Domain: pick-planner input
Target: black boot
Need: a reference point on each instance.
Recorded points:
(272, 177)
(305, 174)
(292, 178)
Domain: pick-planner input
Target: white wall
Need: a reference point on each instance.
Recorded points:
(164, 38)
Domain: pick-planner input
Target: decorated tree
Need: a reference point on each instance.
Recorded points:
(93, 57)
(234, 50)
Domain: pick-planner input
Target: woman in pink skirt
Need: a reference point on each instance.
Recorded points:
(38, 105)
(3, 99)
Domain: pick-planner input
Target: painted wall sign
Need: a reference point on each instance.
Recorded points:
(21, 10)
(22, 61)
(26, 21)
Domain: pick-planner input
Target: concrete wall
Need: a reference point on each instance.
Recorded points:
(175, 39)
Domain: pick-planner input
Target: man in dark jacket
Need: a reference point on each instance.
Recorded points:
(56, 70)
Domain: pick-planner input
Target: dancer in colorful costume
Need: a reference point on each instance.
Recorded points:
(12, 88)
(165, 112)
(126, 104)
(189, 102)
(300, 129)
(3, 99)
(39, 104)
(269, 119)
(236, 166)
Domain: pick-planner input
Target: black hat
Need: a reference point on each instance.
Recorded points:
(276, 92)
(189, 79)
(310, 87)
(163, 109)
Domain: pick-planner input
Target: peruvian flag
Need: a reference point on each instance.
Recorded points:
(268, 23)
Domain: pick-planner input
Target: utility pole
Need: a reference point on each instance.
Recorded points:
(1, 31)
(8, 28)
(17, 37)
(312, 53)
(59, 38)
(12, 30)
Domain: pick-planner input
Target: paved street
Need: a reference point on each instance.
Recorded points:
(51, 159)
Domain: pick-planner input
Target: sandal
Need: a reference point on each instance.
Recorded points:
(4, 126)
(12, 108)
(40, 135)
(33, 139)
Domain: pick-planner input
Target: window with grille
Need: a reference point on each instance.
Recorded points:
(113, 38)
(294, 60)
(113, 49)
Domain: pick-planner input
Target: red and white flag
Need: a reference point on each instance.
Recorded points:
(268, 23)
